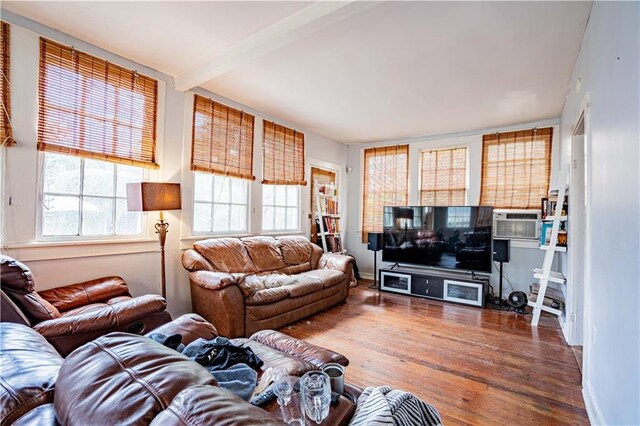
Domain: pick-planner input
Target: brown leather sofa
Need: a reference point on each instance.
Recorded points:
(73, 315)
(256, 283)
(128, 379)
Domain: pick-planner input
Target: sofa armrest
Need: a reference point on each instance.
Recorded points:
(104, 318)
(212, 280)
(338, 262)
(316, 355)
(341, 263)
(80, 294)
(190, 326)
(217, 297)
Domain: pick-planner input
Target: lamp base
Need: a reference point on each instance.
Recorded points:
(162, 229)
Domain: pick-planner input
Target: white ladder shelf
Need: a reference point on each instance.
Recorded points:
(545, 275)
(321, 215)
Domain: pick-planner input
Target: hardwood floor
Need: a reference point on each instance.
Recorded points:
(476, 366)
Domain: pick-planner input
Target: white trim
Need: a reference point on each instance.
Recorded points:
(593, 410)
(81, 249)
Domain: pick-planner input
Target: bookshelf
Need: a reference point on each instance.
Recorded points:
(328, 218)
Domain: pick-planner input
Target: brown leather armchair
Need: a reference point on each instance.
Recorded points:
(73, 315)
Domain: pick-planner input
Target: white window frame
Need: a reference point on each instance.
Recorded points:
(286, 205)
(212, 203)
(55, 238)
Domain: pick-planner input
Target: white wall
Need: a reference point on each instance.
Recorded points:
(524, 255)
(137, 261)
(608, 67)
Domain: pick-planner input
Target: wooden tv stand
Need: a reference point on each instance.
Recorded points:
(435, 284)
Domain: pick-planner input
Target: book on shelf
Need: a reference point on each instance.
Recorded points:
(331, 224)
(334, 244)
(328, 206)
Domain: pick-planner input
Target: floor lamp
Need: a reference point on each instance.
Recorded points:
(152, 197)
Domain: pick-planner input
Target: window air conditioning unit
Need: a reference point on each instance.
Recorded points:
(520, 225)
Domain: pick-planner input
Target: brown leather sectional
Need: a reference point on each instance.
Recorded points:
(122, 378)
(245, 285)
(72, 315)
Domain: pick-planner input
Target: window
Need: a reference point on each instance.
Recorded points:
(280, 208)
(458, 217)
(84, 198)
(515, 168)
(385, 184)
(5, 101)
(91, 108)
(222, 157)
(443, 177)
(283, 173)
(220, 204)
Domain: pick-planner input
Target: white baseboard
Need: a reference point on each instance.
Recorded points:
(366, 276)
(594, 413)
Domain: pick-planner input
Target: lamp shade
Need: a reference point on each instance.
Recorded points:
(153, 196)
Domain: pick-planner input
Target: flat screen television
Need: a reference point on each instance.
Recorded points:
(456, 237)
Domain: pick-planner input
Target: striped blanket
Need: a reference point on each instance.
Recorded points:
(383, 406)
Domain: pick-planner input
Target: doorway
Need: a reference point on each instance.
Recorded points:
(579, 237)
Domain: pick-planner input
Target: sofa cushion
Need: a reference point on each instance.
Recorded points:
(286, 306)
(207, 405)
(268, 295)
(29, 366)
(274, 358)
(122, 378)
(251, 284)
(226, 255)
(328, 277)
(304, 286)
(264, 253)
(295, 250)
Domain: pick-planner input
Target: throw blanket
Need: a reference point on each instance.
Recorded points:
(383, 406)
(234, 367)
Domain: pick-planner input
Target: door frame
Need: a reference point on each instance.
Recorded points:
(575, 263)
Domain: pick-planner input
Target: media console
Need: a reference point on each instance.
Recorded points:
(435, 284)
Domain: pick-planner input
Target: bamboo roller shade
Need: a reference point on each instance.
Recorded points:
(222, 140)
(386, 175)
(282, 155)
(444, 177)
(515, 168)
(91, 108)
(6, 135)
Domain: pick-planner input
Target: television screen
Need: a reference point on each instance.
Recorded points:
(456, 238)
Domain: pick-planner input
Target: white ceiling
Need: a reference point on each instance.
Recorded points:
(394, 70)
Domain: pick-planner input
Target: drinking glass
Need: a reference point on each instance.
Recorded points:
(289, 400)
(316, 395)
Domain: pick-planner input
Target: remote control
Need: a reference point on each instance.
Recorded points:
(263, 397)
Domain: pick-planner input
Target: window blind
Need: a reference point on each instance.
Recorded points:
(515, 168)
(6, 136)
(283, 155)
(443, 177)
(386, 175)
(91, 108)
(222, 140)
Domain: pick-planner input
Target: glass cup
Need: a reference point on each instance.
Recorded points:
(316, 395)
(289, 400)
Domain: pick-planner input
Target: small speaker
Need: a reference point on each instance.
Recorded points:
(501, 252)
(375, 241)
